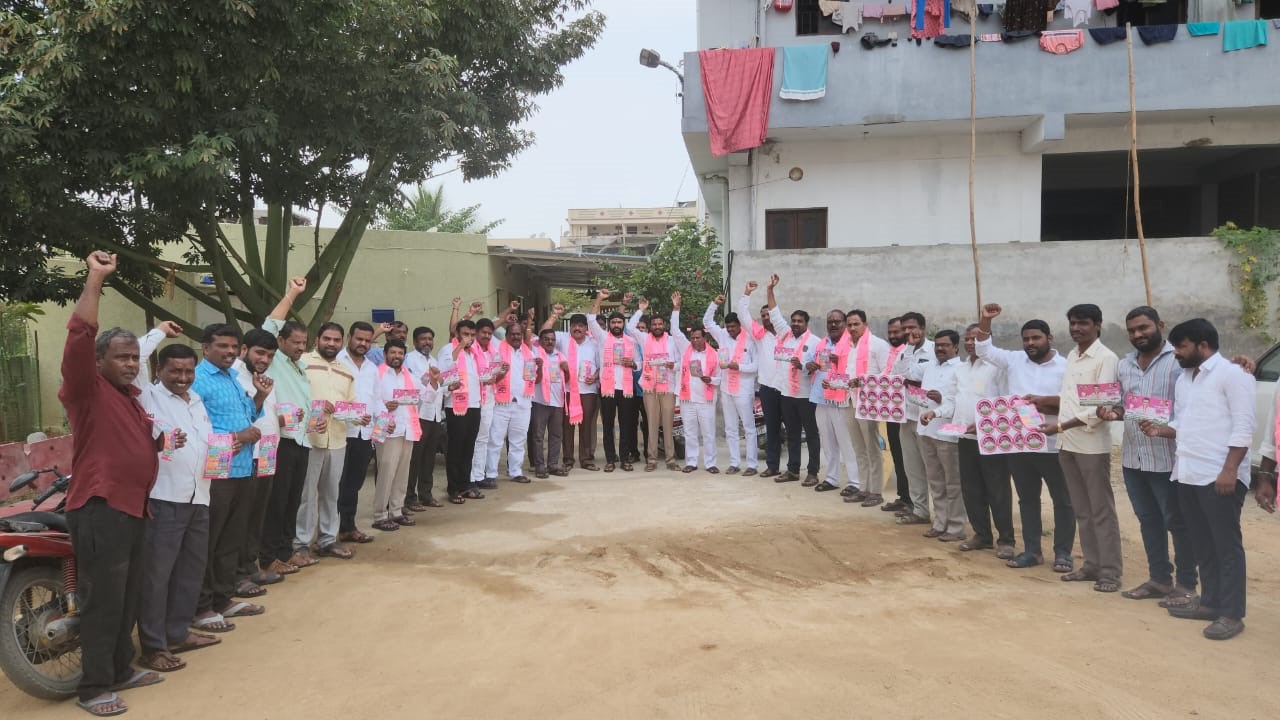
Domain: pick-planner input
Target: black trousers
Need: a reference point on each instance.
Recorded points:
(281, 519)
(257, 517)
(641, 419)
(622, 409)
(463, 430)
(230, 505)
(422, 464)
(771, 406)
(108, 546)
(354, 468)
(177, 548)
(799, 413)
(1029, 469)
(899, 470)
(1214, 523)
(984, 483)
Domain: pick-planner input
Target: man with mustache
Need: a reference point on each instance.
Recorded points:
(397, 392)
(331, 382)
(739, 364)
(256, 355)
(660, 377)
(798, 414)
(618, 357)
(418, 496)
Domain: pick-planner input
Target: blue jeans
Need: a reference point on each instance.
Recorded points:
(1155, 502)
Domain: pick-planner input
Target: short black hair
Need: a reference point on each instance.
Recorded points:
(1086, 311)
(393, 343)
(615, 315)
(399, 324)
(732, 318)
(331, 326)
(1196, 331)
(544, 331)
(483, 323)
(577, 319)
(176, 351)
(260, 338)
(802, 314)
(463, 324)
(951, 335)
(646, 319)
(1040, 325)
(1143, 311)
(913, 315)
(892, 320)
(220, 330)
(697, 329)
(422, 330)
(290, 327)
(361, 325)
(862, 315)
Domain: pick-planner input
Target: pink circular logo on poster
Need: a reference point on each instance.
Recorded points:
(1034, 440)
(884, 396)
(984, 407)
(987, 426)
(989, 443)
(897, 413)
(897, 398)
(1005, 442)
(1001, 405)
(1002, 423)
(897, 383)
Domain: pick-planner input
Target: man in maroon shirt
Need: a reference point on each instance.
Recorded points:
(114, 460)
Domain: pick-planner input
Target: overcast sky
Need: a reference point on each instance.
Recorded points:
(609, 137)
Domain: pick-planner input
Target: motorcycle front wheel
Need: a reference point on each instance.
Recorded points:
(32, 597)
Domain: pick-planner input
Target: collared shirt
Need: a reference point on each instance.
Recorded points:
(600, 336)
(230, 409)
(431, 403)
(331, 381)
(1097, 364)
(366, 378)
(113, 440)
(1213, 411)
(940, 377)
(269, 423)
(749, 366)
(766, 368)
(697, 388)
(817, 394)
(588, 352)
(292, 387)
(1268, 446)
(877, 354)
(1025, 376)
(516, 374)
(446, 361)
(386, 382)
(673, 340)
(180, 479)
(375, 355)
(1157, 381)
(552, 366)
(490, 356)
(912, 364)
(975, 379)
(782, 369)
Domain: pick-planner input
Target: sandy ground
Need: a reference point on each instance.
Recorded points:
(664, 595)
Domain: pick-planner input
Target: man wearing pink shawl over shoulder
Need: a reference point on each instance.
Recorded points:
(764, 334)
(738, 363)
(660, 377)
(870, 356)
(618, 354)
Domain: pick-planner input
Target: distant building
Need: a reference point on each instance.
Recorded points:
(627, 231)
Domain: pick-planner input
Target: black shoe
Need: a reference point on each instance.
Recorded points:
(1193, 611)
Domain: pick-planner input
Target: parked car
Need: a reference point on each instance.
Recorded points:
(1267, 374)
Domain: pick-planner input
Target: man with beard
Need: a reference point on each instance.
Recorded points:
(1085, 453)
(547, 417)
(394, 330)
(487, 356)
(869, 355)
(1035, 375)
(893, 431)
(739, 361)
(699, 375)
(798, 414)
(232, 412)
(984, 479)
(582, 353)
(418, 497)
(916, 358)
(1152, 371)
(460, 363)
(832, 405)
(331, 382)
(513, 392)
(659, 379)
(618, 354)
(397, 392)
(1213, 422)
(256, 353)
(764, 335)
(359, 452)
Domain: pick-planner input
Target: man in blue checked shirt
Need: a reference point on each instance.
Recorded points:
(231, 411)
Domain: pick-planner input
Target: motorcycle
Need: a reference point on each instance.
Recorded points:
(39, 612)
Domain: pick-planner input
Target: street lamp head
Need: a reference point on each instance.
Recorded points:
(649, 58)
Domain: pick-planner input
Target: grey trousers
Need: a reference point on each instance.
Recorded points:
(917, 478)
(545, 425)
(1089, 484)
(866, 448)
(661, 409)
(174, 556)
(942, 465)
(318, 511)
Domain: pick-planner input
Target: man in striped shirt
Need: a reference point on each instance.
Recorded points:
(1151, 371)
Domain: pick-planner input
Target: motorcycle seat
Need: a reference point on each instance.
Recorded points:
(53, 521)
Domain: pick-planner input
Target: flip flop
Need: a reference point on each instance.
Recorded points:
(207, 624)
(249, 589)
(266, 577)
(149, 662)
(141, 678)
(203, 641)
(88, 706)
(1079, 576)
(242, 609)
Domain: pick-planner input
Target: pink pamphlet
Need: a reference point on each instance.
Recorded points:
(1003, 427)
(217, 464)
(267, 447)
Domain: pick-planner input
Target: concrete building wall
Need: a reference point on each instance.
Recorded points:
(1190, 278)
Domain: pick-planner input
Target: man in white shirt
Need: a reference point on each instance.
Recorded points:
(870, 355)
(461, 373)
(618, 357)
(798, 414)
(1035, 375)
(893, 431)
(1213, 422)
(514, 389)
(1084, 451)
(256, 355)
(832, 405)
(396, 393)
(764, 334)
(547, 417)
(418, 497)
(359, 434)
(177, 533)
(738, 363)
(984, 479)
(582, 352)
(660, 378)
(941, 455)
(488, 348)
(699, 375)
(911, 364)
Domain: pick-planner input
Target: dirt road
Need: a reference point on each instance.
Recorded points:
(695, 596)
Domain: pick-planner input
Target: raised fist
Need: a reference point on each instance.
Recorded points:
(990, 311)
(101, 263)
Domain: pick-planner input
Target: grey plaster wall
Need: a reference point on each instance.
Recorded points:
(1191, 277)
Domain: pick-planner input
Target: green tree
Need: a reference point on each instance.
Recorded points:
(687, 260)
(574, 301)
(132, 126)
(425, 210)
